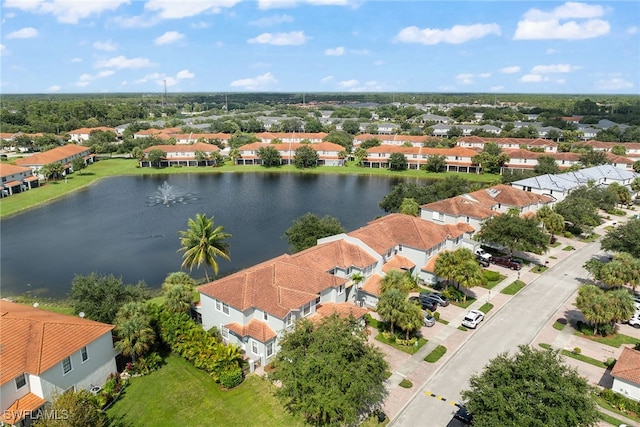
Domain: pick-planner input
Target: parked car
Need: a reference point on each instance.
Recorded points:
(635, 320)
(463, 415)
(472, 319)
(482, 254)
(436, 296)
(482, 261)
(426, 304)
(429, 320)
(508, 262)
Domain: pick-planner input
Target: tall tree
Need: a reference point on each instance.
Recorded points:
(436, 163)
(468, 275)
(530, 388)
(133, 330)
(202, 243)
(178, 289)
(392, 303)
(546, 165)
(398, 162)
(594, 305)
(410, 207)
(269, 156)
(321, 366)
(624, 238)
(52, 170)
(397, 279)
(515, 233)
(491, 159)
(307, 229)
(305, 157)
(155, 156)
(411, 318)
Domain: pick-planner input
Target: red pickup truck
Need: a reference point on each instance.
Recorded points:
(507, 262)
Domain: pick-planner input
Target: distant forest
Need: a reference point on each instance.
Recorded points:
(60, 113)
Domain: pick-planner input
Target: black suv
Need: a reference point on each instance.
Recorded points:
(426, 304)
(437, 297)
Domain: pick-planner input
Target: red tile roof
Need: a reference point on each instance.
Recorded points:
(184, 148)
(510, 196)
(20, 408)
(461, 206)
(57, 154)
(34, 340)
(338, 253)
(7, 169)
(276, 286)
(343, 310)
(255, 329)
(628, 366)
(398, 262)
(372, 285)
(390, 230)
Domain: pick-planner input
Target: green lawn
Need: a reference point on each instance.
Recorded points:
(486, 307)
(436, 354)
(577, 356)
(492, 283)
(120, 166)
(513, 288)
(615, 340)
(179, 394)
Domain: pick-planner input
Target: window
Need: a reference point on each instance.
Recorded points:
(289, 320)
(306, 310)
(84, 354)
(270, 349)
(66, 365)
(21, 381)
(224, 332)
(254, 347)
(218, 305)
(265, 316)
(340, 289)
(225, 308)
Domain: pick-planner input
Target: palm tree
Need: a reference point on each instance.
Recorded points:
(469, 274)
(390, 305)
(397, 279)
(410, 318)
(622, 307)
(445, 267)
(594, 305)
(178, 289)
(133, 329)
(202, 243)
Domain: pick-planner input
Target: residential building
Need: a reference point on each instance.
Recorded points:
(457, 159)
(82, 135)
(182, 154)
(64, 155)
(626, 374)
(16, 179)
(287, 137)
(328, 152)
(43, 354)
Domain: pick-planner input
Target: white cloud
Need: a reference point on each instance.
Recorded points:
(108, 46)
(556, 68)
(348, 84)
(615, 83)
(551, 51)
(496, 88)
(269, 21)
(532, 78)
(199, 25)
(168, 37)
(148, 77)
(326, 79)
(66, 11)
(76, 60)
(465, 78)
(294, 38)
(484, 75)
(632, 31)
(255, 83)
(570, 21)
(3, 50)
(510, 70)
(172, 9)
(185, 74)
(23, 33)
(121, 62)
(54, 88)
(454, 35)
(360, 52)
(85, 79)
(338, 51)
(141, 21)
(281, 4)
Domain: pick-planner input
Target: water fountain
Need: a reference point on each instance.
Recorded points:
(167, 195)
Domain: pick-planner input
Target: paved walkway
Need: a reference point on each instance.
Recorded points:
(415, 369)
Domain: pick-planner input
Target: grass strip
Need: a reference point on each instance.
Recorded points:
(436, 354)
(513, 288)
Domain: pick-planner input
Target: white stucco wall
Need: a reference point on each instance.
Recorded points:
(630, 390)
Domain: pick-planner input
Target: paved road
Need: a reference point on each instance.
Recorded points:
(517, 322)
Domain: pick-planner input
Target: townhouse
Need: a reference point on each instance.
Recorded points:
(81, 135)
(329, 154)
(44, 354)
(63, 155)
(182, 154)
(287, 137)
(457, 159)
(16, 179)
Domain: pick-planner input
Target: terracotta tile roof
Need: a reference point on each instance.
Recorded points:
(343, 310)
(276, 286)
(398, 262)
(372, 285)
(391, 230)
(7, 169)
(291, 135)
(461, 206)
(255, 329)
(510, 196)
(338, 253)
(18, 409)
(186, 148)
(57, 154)
(628, 366)
(431, 263)
(87, 131)
(34, 340)
(293, 146)
(518, 153)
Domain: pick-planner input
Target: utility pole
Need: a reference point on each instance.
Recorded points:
(165, 93)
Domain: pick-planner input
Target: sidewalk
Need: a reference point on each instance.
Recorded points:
(415, 369)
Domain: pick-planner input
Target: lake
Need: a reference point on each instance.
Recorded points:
(113, 227)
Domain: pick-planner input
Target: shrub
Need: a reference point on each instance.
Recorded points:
(568, 234)
(148, 363)
(408, 342)
(405, 383)
(436, 315)
(491, 276)
(577, 350)
(231, 377)
(611, 362)
(453, 294)
(607, 329)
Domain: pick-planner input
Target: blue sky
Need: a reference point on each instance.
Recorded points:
(83, 46)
